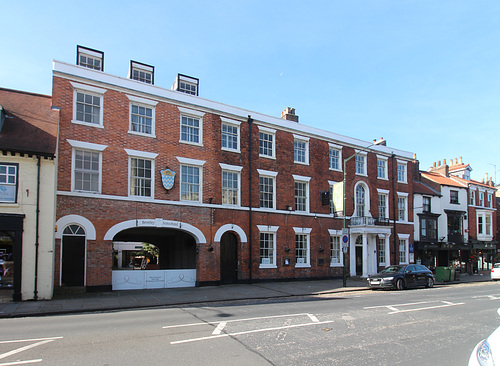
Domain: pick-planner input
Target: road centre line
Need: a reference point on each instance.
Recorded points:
(236, 320)
(248, 332)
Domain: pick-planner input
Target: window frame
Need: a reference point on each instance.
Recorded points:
(428, 233)
(366, 199)
(305, 181)
(234, 124)
(381, 250)
(10, 186)
(94, 92)
(145, 103)
(90, 147)
(364, 156)
(144, 68)
(472, 197)
(270, 230)
(304, 233)
(403, 238)
(454, 197)
(305, 141)
(95, 55)
(268, 132)
(426, 207)
(233, 169)
(338, 158)
(402, 197)
(270, 175)
(146, 156)
(195, 115)
(402, 175)
(481, 199)
(384, 193)
(384, 169)
(187, 162)
(336, 235)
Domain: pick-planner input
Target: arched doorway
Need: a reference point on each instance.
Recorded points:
(73, 256)
(228, 258)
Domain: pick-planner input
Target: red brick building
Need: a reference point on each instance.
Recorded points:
(251, 197)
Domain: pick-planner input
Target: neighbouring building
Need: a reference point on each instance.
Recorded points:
(440, 209)
(479, 222)
(159, 188)
(28, 142)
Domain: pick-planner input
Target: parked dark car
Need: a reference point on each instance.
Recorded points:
(400, 277)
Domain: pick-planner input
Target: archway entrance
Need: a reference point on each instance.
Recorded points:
(148, 257)
(73, 256)
(228, 258)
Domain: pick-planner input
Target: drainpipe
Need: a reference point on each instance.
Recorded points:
(394, 207)
(250, 120)
(37, 228)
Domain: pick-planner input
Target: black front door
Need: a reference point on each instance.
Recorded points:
(359, 261)
(228, 259)
(73, 260)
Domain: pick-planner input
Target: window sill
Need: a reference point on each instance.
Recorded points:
(191, 143)
(269, 266)
(142, 134)
(302, 265)
(301, 162)
(267, 157)
(336, 265)
(86, 124)
(382, 178)
(238, 151)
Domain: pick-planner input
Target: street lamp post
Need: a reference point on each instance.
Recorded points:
(344, 249)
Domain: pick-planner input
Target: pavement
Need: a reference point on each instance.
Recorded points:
(136, 299)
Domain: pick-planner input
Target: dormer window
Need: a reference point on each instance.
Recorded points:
(92, 59)
(141, 72)
(186, 84)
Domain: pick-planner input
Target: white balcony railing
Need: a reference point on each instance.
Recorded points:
(363, 221)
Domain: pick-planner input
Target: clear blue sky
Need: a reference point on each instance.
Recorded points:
(423, 74)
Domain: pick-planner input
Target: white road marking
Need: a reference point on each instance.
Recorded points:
(407, 304)
(219, 328)
(446, 304)
(394, 308)
(313, 318)
(248, 332)
(491, 297)
(234, 320)
(30, 340)
(20, 362)
(39, 342)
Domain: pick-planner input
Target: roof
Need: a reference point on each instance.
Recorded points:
(86, 75)
(475, 182)
(458, 167)
(422, 188)
(30, 124)
(445, 181)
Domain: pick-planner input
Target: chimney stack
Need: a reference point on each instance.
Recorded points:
(289, 114)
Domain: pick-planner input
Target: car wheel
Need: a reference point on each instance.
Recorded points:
(400, 284)
(429, 282)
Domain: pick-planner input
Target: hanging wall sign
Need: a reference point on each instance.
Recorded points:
(167, 178)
